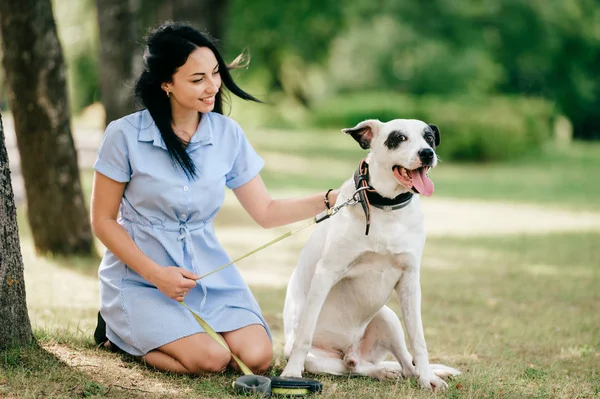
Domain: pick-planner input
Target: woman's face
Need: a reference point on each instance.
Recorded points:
(196, 83)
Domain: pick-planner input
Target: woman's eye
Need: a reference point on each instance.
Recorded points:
(197, 80)
(216, 72)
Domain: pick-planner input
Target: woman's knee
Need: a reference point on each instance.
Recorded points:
(257, 357)
(198, 354)
(212, 359)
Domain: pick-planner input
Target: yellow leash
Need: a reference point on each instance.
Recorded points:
(314, 220)
(213, 334)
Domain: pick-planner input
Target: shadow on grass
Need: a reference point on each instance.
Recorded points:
(34, 372)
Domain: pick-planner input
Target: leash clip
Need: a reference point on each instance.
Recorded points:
(356, 195)
(326, 214)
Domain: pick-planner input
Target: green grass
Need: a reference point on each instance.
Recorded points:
(517, 314)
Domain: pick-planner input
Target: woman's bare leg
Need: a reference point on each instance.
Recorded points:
(252, 345)
(195, 354)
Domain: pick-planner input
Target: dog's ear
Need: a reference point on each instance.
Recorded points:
(363, 132)
(436, 132)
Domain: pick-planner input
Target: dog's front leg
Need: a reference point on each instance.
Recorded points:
(326, 275)
(409, 295)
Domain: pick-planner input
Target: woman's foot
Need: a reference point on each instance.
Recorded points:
(101, 339)
(100, 332)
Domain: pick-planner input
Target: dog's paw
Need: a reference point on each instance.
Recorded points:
(444, 372)
(387, 371)
(409, 370)
(291, 371)
(431, 381)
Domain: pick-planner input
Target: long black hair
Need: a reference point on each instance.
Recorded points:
(168, 48)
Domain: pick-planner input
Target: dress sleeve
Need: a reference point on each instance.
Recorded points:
(246, 164)
(113, 155)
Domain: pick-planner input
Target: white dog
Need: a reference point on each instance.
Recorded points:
(335, 316)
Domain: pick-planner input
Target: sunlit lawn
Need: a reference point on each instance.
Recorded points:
(518, 314)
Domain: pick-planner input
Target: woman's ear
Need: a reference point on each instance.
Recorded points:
(166, 89)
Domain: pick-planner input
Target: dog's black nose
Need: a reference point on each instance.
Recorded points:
(426, 155)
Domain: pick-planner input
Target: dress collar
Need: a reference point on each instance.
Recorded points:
(148, 131)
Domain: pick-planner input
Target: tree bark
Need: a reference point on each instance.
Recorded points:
(15, 328)
(35, 75)
(208, 15)
(118, 37)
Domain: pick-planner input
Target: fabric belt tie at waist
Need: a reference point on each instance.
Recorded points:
(188, 246)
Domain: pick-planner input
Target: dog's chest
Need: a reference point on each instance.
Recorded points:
(390, 231)
(374, 271)
(395, 236)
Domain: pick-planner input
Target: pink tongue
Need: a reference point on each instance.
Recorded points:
(421, 182)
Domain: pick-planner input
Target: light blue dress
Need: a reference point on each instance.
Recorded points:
(169, 217)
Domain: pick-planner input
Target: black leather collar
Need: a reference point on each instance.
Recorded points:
(368, 196)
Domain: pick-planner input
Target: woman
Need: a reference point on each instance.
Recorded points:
(165, 169)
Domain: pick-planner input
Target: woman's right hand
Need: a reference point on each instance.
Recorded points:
(175, 282)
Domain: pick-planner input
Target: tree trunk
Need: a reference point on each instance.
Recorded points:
(118, 37)
(35, 75)
(208, 15)
(15, 328)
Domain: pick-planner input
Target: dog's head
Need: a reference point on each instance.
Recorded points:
(403, 147)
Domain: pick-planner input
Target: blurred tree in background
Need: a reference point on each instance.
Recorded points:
(77, 27)
(291, 41)
(209, 15)
(117, 23)
(461, 52)
(35, 75)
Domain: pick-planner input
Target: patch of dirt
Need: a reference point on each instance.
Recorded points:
(113, 373)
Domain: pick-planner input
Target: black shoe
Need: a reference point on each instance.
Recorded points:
(101, 339)
(100, 332)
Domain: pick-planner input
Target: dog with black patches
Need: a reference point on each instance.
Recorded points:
(335, 316)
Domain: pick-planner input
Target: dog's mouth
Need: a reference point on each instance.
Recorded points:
(415, 180)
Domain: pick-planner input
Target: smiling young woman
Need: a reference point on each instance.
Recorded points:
(159, 181)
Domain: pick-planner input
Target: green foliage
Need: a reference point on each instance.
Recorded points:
(389, 53)
(289, 40)
(78, 32)
(473, 129)
(547, 49)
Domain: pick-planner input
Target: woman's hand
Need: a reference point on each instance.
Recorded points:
(175, 282)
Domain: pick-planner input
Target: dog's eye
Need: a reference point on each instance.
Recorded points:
(394, 139)
(429, 138)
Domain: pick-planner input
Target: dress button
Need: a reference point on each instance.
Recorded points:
(183, 215)
(185, 188)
